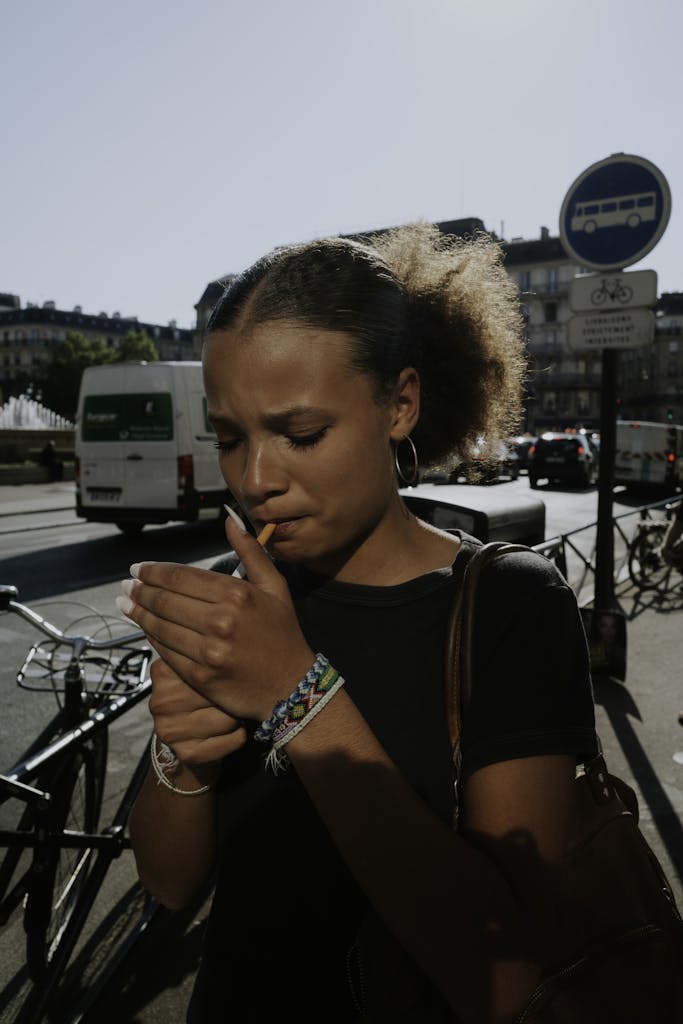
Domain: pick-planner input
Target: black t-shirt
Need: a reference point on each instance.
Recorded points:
(286, 909)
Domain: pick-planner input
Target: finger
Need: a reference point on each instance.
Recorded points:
(197, 676)
(186, 580)
(163, 631)
(194, 726)
(210, 751)
(145, 603)
(257, 563)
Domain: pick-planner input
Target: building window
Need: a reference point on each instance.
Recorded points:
(550, 312)
(672, 368)
(673, 346)
(524, 280)
(583, 402)
(549, 401)
(551, 279)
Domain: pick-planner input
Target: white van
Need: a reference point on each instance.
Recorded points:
(649, 453)
(144, 447)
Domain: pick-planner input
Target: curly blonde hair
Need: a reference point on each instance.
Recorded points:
(465, 310)
(409, 296)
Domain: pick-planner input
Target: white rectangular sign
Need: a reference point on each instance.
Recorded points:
(630, 329)
(602, 292)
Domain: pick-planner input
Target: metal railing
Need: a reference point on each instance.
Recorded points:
(574, 553)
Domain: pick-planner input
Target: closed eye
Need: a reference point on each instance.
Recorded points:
(225, 446)
(306, 440)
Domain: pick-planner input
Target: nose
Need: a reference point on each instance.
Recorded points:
(262, 473)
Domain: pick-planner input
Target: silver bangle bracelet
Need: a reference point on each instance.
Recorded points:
(164, 761)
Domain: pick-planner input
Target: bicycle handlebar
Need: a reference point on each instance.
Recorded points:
(8, 602)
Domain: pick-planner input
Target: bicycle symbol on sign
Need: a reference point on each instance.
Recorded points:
(618, 292)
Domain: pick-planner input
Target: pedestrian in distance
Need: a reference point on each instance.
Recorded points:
(48, 457)
(302, 760)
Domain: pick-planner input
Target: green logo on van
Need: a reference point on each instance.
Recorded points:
(137, 417)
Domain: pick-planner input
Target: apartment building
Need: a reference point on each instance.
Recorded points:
(30, 334)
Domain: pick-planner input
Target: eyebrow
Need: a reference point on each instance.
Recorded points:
(273, 420)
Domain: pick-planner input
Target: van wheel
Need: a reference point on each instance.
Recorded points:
(130, 529)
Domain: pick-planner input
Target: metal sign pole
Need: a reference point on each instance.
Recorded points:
(612, 215)
(604, 554)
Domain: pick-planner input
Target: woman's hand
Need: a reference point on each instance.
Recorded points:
(236, 643)
(199, 733)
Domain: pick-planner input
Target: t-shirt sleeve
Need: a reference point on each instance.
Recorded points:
(531, 690)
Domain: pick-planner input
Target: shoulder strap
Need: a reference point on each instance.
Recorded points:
(459, 636)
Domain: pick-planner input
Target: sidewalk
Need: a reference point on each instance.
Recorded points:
(16, 499)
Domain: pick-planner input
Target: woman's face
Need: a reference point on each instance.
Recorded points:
(302, 439)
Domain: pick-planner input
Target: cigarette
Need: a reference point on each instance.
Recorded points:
(266, 533)
(263, 538)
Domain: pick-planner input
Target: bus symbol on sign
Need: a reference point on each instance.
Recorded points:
(615, 212)
(605, 213)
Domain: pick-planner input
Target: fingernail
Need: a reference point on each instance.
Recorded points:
(235, 518)
(124, 604)
(127, 587)
(135, 570)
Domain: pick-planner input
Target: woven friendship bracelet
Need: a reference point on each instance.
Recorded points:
(301, 714)
(165, 761)
(282, 709)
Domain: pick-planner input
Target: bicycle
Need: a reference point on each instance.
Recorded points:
(58, 855)
(646, 566)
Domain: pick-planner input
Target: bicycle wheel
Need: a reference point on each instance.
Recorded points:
(646, 567)
(77, 787)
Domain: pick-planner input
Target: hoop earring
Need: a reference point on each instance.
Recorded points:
(410, 478)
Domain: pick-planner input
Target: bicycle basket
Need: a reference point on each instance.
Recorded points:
(119, 670)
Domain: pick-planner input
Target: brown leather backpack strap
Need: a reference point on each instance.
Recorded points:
(476, 565)
(458, 650)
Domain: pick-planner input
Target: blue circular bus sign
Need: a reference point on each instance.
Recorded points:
(615, 212)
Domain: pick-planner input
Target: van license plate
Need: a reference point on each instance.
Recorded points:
(103, 494)
(555, 458)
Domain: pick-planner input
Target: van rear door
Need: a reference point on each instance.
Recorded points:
(129, 453)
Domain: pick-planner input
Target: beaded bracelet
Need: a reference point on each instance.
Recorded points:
(302, 712)
(265, 731)
(166, 761)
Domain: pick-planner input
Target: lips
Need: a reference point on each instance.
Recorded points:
(283, 524)
(283, 527)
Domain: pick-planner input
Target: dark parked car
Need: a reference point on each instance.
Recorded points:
(564, 458)
(485, 512)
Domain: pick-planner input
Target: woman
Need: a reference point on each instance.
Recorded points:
(332, 369)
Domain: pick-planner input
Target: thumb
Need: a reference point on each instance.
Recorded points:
(255, 563)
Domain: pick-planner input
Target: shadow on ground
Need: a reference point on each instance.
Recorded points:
(90, 563)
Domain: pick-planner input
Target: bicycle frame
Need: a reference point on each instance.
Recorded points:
(81, 718)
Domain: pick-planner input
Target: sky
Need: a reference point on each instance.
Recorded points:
(153, 146)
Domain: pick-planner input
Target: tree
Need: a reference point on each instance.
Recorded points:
(136, 346)
(60, 381)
